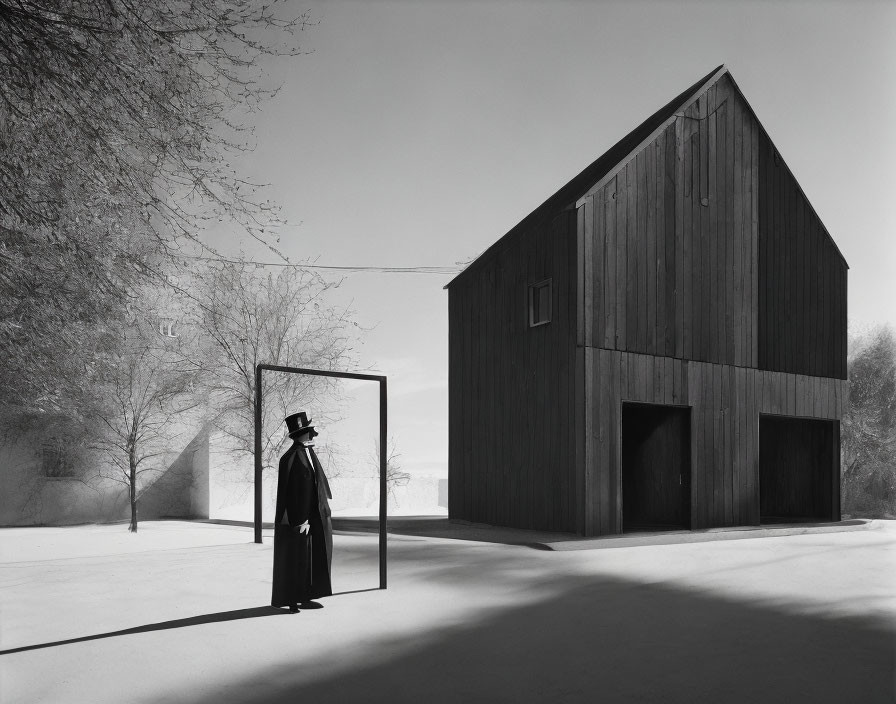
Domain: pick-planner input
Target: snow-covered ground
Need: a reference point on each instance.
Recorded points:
(178, 613)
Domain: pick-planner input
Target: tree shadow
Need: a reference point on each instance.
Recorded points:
(596, 638)
(235, 615)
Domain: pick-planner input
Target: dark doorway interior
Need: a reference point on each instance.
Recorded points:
(656, 467)
(797, 462)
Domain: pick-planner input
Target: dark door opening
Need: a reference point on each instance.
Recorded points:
(656, 467)
(798, 469)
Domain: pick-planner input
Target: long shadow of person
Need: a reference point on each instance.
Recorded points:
(235, 615)
(218, 617)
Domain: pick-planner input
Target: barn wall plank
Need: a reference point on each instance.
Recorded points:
(633, 257)
(591, 264)
(599, 248)
(650, 269)
(675, 185)
(622, 272)
(660, 243)
(610, 291)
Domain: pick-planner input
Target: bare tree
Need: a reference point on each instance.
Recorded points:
(133, 101)
(247, 317)
(395, 477)
(145, 397)
(118, 124)
(868, 429)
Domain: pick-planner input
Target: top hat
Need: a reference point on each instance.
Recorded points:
(298, 422)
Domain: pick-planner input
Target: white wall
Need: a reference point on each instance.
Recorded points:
(231, 493)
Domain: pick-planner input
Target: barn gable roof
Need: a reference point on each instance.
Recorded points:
(595, 175)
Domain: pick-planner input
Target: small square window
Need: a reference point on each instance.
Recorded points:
(540, 303)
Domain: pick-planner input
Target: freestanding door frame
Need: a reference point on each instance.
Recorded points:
(383, 424)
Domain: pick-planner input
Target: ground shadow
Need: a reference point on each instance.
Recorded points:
(443, 527)
(235, 615)
(599, 638)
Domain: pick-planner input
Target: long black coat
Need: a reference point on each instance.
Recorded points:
(301, 562)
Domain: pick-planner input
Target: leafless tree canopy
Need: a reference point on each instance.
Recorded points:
(119, 124)
(395, 477)
(131, 100)
(117, 128)
(144, 398)
(247, 317)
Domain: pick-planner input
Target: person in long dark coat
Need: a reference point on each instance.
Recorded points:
(303, 529)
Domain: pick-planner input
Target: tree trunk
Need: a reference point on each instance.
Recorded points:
(133, 527)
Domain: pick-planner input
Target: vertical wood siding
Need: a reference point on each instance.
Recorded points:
(701, 248)
(512, 401)
(697, 276)
(802, 291)
(673, 235)
(725, 404)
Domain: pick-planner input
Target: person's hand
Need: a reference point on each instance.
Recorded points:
(304, 529)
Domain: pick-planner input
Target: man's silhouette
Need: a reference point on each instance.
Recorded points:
(303, 531)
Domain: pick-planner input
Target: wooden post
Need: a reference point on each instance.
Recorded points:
(258, 482)
(384, 488)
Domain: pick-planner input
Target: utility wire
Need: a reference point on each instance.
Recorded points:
(444, 270)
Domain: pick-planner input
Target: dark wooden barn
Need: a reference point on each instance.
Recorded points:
(660, 343)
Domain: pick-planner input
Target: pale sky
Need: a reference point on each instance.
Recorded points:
(418, 133)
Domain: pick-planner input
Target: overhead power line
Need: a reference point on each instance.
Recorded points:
(443, 270)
